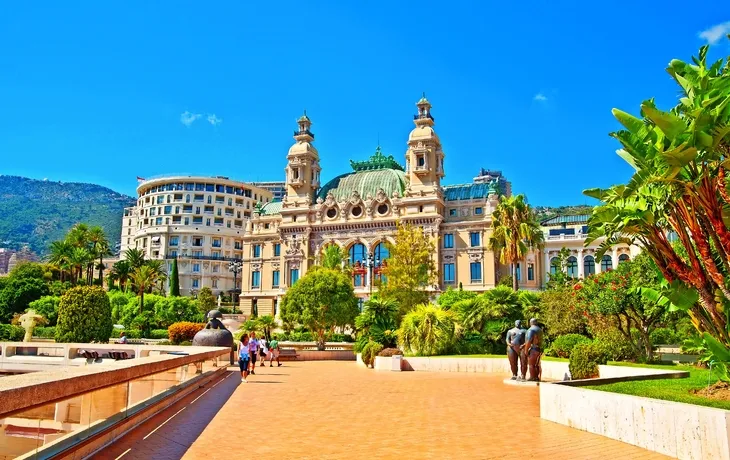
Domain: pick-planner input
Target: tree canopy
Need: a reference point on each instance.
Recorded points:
(321, 300)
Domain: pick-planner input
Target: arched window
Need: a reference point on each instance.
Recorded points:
(623, 258)
(606, 263)
(589, 266)
(357, 254)
(572, 267)
(187, 198)
(380, 253)
(554, 265)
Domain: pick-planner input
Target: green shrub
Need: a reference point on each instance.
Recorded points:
(46, 306)
(369, 352)
(472, 343)
(427, 330)
(340, 338)
(563, 345)
(584, 360)
(84, 316)
(45, 332)
(183, 332)
(159, 334)
(666, 336)
(281, 336)
(11, 333)
(169, 310)
(616, 345)
(387, 352)
(561, 313)
(452, 296)
(132, 333)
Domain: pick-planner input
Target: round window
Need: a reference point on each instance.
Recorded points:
(382, 209)
(356, 211)
(331, 213)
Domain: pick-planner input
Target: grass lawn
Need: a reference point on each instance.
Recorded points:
(544, 358)
(670, 389)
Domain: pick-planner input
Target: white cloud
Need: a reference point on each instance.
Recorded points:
(214, 120)
(540, 97)
(188, 118)
(715, 33)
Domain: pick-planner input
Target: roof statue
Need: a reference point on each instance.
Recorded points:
(377, 161)
(493, 187)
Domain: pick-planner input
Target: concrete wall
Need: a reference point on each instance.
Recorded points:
(679, 430)
(551, 370)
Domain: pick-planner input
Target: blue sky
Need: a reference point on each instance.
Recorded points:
(98, 91)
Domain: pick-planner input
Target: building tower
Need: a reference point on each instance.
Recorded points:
(424, 157)
(302, 169)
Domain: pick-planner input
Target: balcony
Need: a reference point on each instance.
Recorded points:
(194, 257)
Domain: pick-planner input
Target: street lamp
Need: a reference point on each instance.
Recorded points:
(234, 267)
(370, 262)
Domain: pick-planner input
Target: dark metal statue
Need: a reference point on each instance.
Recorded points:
(516, 350)
(215, 334)
(533, 346)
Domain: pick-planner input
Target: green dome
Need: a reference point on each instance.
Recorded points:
(365, 183)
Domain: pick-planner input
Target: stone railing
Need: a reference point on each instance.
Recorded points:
(72, 410)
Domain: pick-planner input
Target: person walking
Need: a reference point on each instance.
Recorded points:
(253, 348)
(244, 357)
(274, 352)
(263, 351)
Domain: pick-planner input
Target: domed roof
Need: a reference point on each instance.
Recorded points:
(379, 172)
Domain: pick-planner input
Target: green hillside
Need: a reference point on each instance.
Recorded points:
(37, 212)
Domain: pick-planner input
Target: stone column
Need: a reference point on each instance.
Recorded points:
(546, 269)
(580, 264)
(614, 257)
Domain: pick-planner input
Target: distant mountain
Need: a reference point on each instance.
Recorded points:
(37, 212)
(548, 212)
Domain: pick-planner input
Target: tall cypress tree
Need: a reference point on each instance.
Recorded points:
(174, 280)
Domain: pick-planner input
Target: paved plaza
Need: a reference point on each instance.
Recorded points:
(337, 410)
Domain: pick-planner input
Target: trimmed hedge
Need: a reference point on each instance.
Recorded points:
(563, 345)
(183, 332)
(45, 332)
(585, 358)
(159, 334)
(309, 337)
(11, 333)
(84, 316)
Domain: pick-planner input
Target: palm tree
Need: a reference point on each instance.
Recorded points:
(381, 308)
(135, 257)
(121, 271)
(78, 236)
(143, 278)
(100, 247)
(60, 257)
(427, 330)
(159, 268)
(680, 185)
(79, 258)
(266, 323)
(490, 313)
(516, 231)
(333, 257)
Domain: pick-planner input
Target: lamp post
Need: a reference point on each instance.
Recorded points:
(234, 267)
(370, 262)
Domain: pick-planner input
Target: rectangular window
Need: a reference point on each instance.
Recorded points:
(476, 272)
(474, 239)
(214, 283)
(196, 268)
(478, 211)
(197, 241)
(448, 240)
(275, 278)
(158, 221)
(173, 254)
(207, 222)
(187, 221)
(257, 250)
(174, 240)
(255, 279)
(215, 268)
(197, 220)
(452, 212)
(168, 210)
(199, 198)
(277, 250)
(293, 276)
(197, 254)
(530, 272)
(188, 209)
(216, 242)
(448, 273)
(518, 273)
(196, 283)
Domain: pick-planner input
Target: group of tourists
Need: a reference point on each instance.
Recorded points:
(250, 348)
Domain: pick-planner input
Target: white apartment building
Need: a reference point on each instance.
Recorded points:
(570, 232)
(198, 220)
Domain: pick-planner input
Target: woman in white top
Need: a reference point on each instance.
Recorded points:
(264, 350)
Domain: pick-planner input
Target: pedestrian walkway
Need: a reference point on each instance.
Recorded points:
(337, 410)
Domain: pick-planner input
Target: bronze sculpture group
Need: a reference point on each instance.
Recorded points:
(525, 346)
